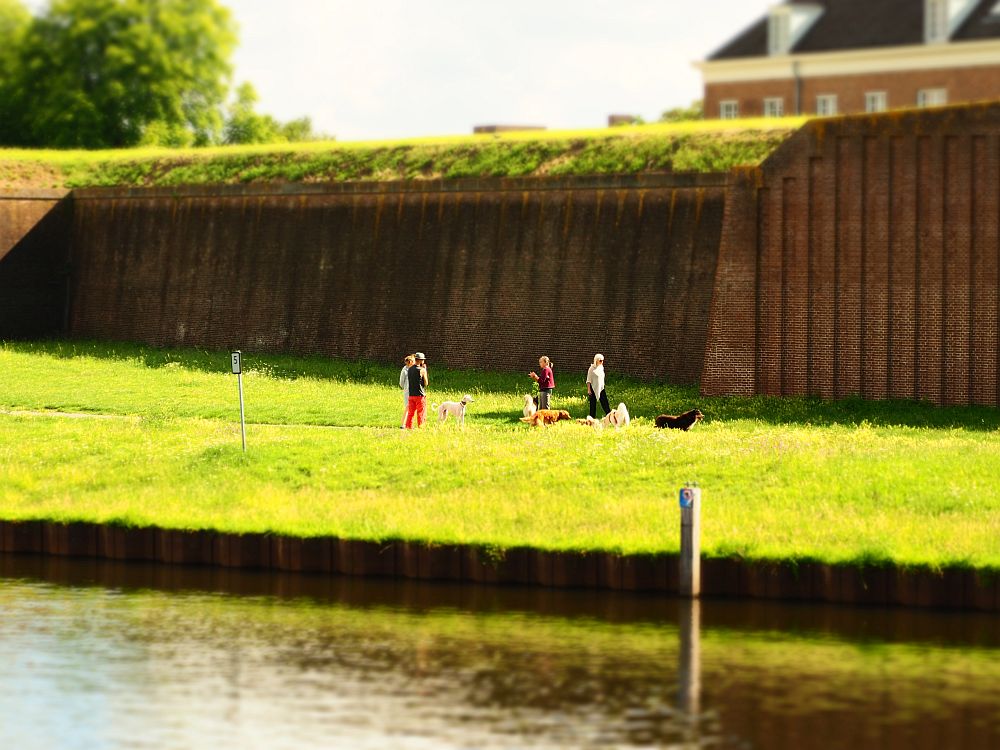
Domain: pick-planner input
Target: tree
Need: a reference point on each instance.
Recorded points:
(244, 125)
(100, 73)
(682, 114)
(14, 21)
(299, 130)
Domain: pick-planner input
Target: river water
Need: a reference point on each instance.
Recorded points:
(103, 655)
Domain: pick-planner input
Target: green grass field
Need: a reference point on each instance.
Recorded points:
(701, 146)
(846, 481)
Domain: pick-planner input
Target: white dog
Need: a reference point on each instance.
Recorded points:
(456, 408)
(529, 406)
(617, 418)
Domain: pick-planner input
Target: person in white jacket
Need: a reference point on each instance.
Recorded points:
(595, 387)
(404, 382)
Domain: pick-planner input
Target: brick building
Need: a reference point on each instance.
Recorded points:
(829, 57)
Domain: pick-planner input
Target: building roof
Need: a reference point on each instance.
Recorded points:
(860, 24)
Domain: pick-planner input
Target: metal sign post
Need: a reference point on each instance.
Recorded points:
(690, 563)
(238, 372)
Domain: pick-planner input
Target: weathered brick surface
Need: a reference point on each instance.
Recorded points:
(34, 243)
(870, 247)
(481, 274)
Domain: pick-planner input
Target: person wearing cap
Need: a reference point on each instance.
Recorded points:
(417, 403)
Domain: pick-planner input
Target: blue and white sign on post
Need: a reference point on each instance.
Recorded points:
(237, 358)
(687, 496)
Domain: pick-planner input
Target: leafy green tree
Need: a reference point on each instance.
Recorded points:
(14, 21)
(299, 130)
(244, 125)
(682, 114)
(101, 73)
(160, 133)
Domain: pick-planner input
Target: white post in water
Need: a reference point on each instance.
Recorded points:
(238, 372)
(689, 583)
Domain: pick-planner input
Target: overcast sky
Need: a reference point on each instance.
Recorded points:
(365, 69)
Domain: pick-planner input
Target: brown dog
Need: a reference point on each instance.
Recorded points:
(684, 421)
(546, 416)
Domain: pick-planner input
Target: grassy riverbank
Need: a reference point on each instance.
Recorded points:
(784, 479)
(703, 146)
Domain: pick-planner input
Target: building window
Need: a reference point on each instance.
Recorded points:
(779, 32)
(729, 109)
(789, 22)
(774, 106)
(936, 24)
(932, 97)
(826, 105)
(876, 101)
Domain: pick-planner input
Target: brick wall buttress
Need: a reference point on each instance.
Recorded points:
(876, 257)
(34, 263)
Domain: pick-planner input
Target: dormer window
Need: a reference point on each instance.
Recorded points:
(943, 17)
(937, 20)
(787, 24)
(779, 37)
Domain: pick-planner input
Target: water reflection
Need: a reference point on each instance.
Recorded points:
(105, 655)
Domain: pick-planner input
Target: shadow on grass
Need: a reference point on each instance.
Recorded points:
(643, 399)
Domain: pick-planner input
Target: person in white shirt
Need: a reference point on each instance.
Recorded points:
(404, 383)
(595, 386)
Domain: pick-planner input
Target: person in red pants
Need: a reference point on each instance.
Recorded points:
(417, 375)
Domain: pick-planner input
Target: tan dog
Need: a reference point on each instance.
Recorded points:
(546, 416)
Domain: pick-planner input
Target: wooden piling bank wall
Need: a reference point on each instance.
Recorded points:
(886, 586)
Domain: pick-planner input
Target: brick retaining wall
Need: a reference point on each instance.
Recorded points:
(860, 259)
(485, 274)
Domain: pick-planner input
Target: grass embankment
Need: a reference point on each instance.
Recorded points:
(800, 479)
(705, 146)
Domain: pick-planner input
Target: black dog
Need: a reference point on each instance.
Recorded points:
(685, 421)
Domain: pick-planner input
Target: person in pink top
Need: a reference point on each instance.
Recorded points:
(546, 382)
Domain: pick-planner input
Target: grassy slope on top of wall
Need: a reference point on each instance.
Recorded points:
(703, 146)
